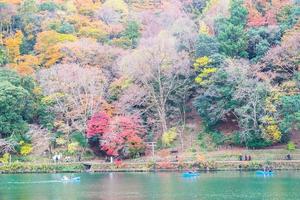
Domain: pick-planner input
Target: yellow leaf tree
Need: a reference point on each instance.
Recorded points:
(25, 64)
(13, 45)
(48, 46)
(202, 64)
(169, 136)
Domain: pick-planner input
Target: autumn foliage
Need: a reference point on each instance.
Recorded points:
(149, 66)
(263, 12)
(98, 125)
(119, 135)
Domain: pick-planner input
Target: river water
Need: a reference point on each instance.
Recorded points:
(284, 185)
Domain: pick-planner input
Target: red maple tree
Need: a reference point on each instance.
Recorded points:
(125, 131)
(98, 124)
(116, 133)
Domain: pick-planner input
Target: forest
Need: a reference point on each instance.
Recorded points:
(108, 76)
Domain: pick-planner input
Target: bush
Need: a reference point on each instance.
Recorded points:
(5, 158)
(206, 142)
(291, 146)
(258, 143)
(73, 147)
(79, 138)
(136, 151)
(169, 136)
(25, 148)
(217, 137)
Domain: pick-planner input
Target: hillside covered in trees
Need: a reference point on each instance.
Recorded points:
(110, 75)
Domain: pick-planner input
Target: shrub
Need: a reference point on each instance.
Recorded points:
(5, 158)
(73, 147)
(60, 141)
(25, 148)
(169, 136)
(291, 146)
(79, 138)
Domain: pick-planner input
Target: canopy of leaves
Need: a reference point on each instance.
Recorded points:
(102, 63)
(230, 32)
(119, 136)
(19, 105)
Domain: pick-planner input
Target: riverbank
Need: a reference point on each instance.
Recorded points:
(219, 160)
(19, 167)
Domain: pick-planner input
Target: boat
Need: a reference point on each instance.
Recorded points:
(265, 173)
(190, 174)
(74, 179)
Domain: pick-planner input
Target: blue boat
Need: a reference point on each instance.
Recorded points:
(190, 174)
(265, 173)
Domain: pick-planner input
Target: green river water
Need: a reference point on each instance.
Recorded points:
(284, 185)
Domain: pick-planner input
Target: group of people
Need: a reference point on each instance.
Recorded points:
(59, 157)
(246, 158)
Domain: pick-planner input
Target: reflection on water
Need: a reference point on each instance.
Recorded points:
(144, 186)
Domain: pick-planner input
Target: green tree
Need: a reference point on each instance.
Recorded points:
(230, 32)
(216, 100)
(28, 7)
(288, 17)
(66, 28)
(239, 14)
(260, 40)
(3, 56)
(232, 93)
(20, 104)
(132, 33)
(30, 25)
(290, 110)
(49, 6)
(206, 46)
(12, 105)
(233, 40)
